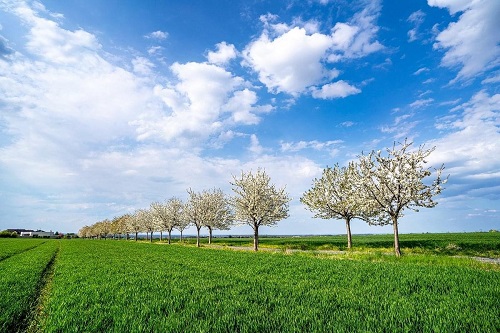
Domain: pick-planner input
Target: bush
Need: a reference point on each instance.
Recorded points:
(8, 234)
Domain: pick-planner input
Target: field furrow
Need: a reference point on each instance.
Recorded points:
(21, 279)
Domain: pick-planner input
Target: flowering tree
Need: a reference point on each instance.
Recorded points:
(335, 196)
(217, 212)
(194, 212)
(134, 222)
(395, 182)
(168, 214)
(257, 202)
(184, 222)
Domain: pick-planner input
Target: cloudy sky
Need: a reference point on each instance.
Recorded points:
(107, 106)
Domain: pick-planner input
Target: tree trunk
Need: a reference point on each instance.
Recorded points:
(136, 236)
(161, 236)
(255, 237)
(198, 237)
(397, 251)
(151, 238)
(169, 235)
(209, 235)
(181, 236)
(348, 228)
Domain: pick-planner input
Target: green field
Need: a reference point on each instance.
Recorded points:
(128, 286)
(481, 244)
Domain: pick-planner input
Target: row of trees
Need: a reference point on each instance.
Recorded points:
(376, 189)
(256, 202)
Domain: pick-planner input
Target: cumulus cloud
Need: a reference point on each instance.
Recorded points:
(97, 134)
(473, 42)
(225, 52)
(356, 39)
(292, 58)
(291, 62)
(142, 66)
(471, 147)
(159, 35)
(205, 100)
(339, 89)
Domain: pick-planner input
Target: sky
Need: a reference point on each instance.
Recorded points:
(108, 106)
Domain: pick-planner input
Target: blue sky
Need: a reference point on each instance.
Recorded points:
(107, 106)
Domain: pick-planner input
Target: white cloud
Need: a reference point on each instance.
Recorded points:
(347, 124)
(339, 89)
(290, 63)
(471, 148)
(416, 18)
(422, 103)
(98, 135)
(452, 102)
(205, 101)
(421, 70)
(243, 108)
(473, 42)
(356, 39)
(225, 52)
(155, 50)
(402, 127)
(290, 58)
(255, 146)
(142, 66)
(52, 44)
(159, 35)
(494, 78)
(316, 145)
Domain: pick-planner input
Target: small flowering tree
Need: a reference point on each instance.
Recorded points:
(257, 202)
(168, 215)
(335, 196)
(217, 214)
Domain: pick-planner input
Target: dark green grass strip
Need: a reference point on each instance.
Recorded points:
(10, 247)
(37, 314)
(128, 287)
(21, 279)
(482, 244)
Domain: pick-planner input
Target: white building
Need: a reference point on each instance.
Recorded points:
(38, 233)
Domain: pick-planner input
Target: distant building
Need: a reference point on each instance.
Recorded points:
(38, 233)
(18, 231)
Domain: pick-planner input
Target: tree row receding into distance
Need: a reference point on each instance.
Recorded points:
(376, 188)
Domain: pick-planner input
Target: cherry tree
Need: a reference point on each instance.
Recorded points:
(168, 215)
(334, 196)
(257, 202)
(134, 222)
(217, 214)
(184, 222)
(194, 212)
(395, 182)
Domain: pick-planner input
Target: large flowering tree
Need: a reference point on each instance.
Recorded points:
(395, 182)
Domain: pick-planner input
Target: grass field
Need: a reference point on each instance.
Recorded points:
(127, 286)
(21, 279)
(468, 244)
